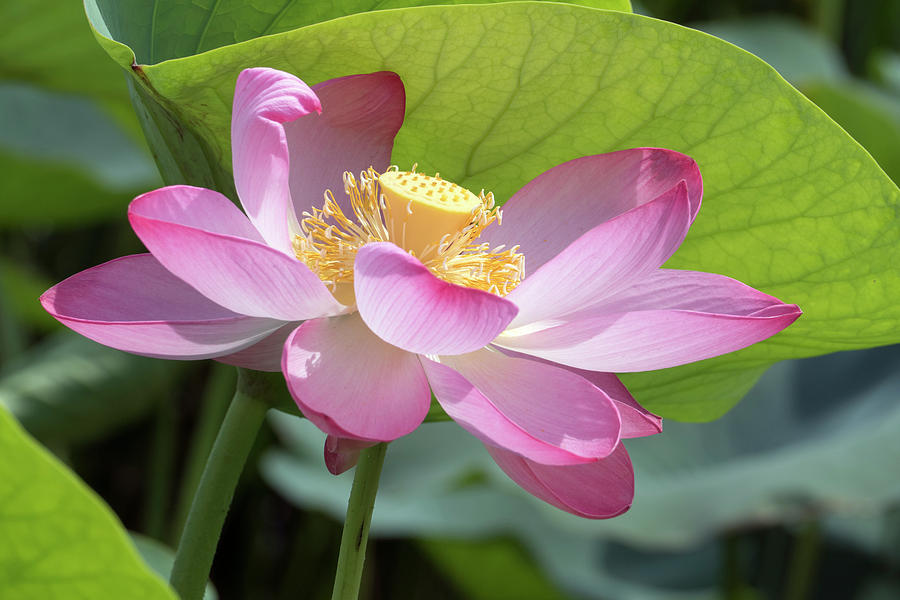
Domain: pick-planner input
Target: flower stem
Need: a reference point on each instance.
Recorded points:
(356, 525)
(200, 537)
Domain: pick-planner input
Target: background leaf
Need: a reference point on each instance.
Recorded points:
(160, 558)
(492, 570)
(47, 45)
(797, 52)
(812, 440)
(60, 540)
(63, 161)
(779, 176)
(171, 29)
(72, 389)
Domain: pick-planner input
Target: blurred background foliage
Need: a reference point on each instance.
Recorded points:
(794, 494)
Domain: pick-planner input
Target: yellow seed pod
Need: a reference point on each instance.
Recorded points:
(424, 209)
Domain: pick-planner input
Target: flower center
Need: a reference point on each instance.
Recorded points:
(435, 220)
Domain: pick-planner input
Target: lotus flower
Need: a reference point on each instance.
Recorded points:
(397, 284)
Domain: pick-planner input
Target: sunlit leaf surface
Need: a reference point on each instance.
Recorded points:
(59, 540)
(499, 93)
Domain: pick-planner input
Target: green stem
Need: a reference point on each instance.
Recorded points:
(213, 405)
(829, 18)
(356, 525)
(732, 581)
(194, 557)
(162, 464)
(802, 568)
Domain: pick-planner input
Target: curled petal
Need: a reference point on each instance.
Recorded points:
(352, 384)
(606, 259)
(237, 272)
(570, 199)
(637, 421)
(342, 454)
(264, 99)
(134, 304)
(546, 413)
(667, 325)
(407, 306)
(597, 490)
(361, 115)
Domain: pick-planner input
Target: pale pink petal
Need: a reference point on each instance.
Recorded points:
(352, 384)
(198, 207)
(597, 490)
(264, 355)
(239, 273)
(669, 325)
(687, 290)
(360, 117)
(475, 413)
(342, 453)
(134, 304)
(606, 259)
(551, 404)
(264, 99)
(637, 421)
(407, 306)
(565, 202)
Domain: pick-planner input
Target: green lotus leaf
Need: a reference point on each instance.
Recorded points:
(499, 93)
(60, 540)
(148, 33)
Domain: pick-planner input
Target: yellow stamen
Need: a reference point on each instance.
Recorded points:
(435, 220)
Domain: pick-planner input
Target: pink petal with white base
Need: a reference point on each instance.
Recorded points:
(361, 115)
(606, 259)
(407, 306)
(352, 384)
(668, 326)
(264, 99)
(543, 412)
(565, 202)
(239, 273)
(598, 490)
(134, 304)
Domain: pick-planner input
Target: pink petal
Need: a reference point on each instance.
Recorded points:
(597, 490)
(351, 384)
(134, 304)
(342, 454)
(407, 306)
(669, 325)
(264, 355)
(563, 203)
(637, 421)
(360, 117)
(237, 272)
(606, 259)
(264, 99)
(546, 413)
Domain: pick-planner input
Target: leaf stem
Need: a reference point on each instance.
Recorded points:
(162, 465)
(200, 537)
(213, 405)
(356, 526)
(802, 567)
